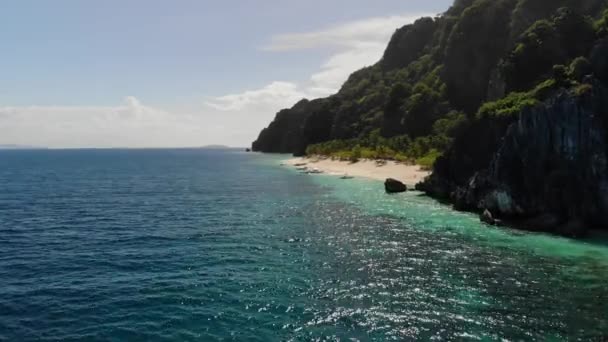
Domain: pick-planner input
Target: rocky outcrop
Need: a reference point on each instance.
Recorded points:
(488, 218)
(479, 44)
(550, 171)
(408, 43)
(286, 133)
(393, 186)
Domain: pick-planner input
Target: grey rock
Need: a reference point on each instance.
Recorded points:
(487, 217)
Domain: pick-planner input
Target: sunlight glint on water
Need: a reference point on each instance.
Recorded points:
(209, 245)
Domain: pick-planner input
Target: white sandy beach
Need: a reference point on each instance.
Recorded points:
(408, 174)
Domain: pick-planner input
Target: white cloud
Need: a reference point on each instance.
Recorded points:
(244, 114)
(349, 34)
(234, 121)
(350, 46)
(275, 94)
(128, 124)
(131, 108)
(339, 66)
(355, 45)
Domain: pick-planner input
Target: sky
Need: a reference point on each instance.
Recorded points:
(179, 73)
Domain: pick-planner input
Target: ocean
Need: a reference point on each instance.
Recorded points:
(222, 245)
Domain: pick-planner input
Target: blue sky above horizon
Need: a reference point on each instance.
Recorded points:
(178, 73)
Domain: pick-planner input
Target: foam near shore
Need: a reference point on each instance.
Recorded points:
(406, 173)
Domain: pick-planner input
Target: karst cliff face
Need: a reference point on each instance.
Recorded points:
(549, 171)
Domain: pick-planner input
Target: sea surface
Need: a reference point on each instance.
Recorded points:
(185, 245)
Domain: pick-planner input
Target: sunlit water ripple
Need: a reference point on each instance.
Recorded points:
(209, 245)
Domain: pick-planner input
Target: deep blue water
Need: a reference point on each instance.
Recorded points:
(223, 245)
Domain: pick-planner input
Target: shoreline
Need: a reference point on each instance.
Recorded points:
(410, 175)
(365, 168)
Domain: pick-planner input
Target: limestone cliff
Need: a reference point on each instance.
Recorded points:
(548, 172)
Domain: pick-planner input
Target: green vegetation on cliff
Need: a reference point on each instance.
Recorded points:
(480, 60)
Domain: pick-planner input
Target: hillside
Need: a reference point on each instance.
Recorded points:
(466, 92)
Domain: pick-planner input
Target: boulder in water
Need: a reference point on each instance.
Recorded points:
(487, 217)
(393, 186)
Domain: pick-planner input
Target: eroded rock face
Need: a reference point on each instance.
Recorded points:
(407, 44)
(553, 159)
(552, 162)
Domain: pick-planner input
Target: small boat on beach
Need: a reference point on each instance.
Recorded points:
(314, 171)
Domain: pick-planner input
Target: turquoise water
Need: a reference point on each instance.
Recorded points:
(217, 245)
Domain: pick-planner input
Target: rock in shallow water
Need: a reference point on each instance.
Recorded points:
(394, 186)
(487, 217)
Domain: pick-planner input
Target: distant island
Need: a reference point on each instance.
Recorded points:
(505, 100)
(18, 147)
(216, 147)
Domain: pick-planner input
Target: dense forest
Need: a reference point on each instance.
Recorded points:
(504, 99)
